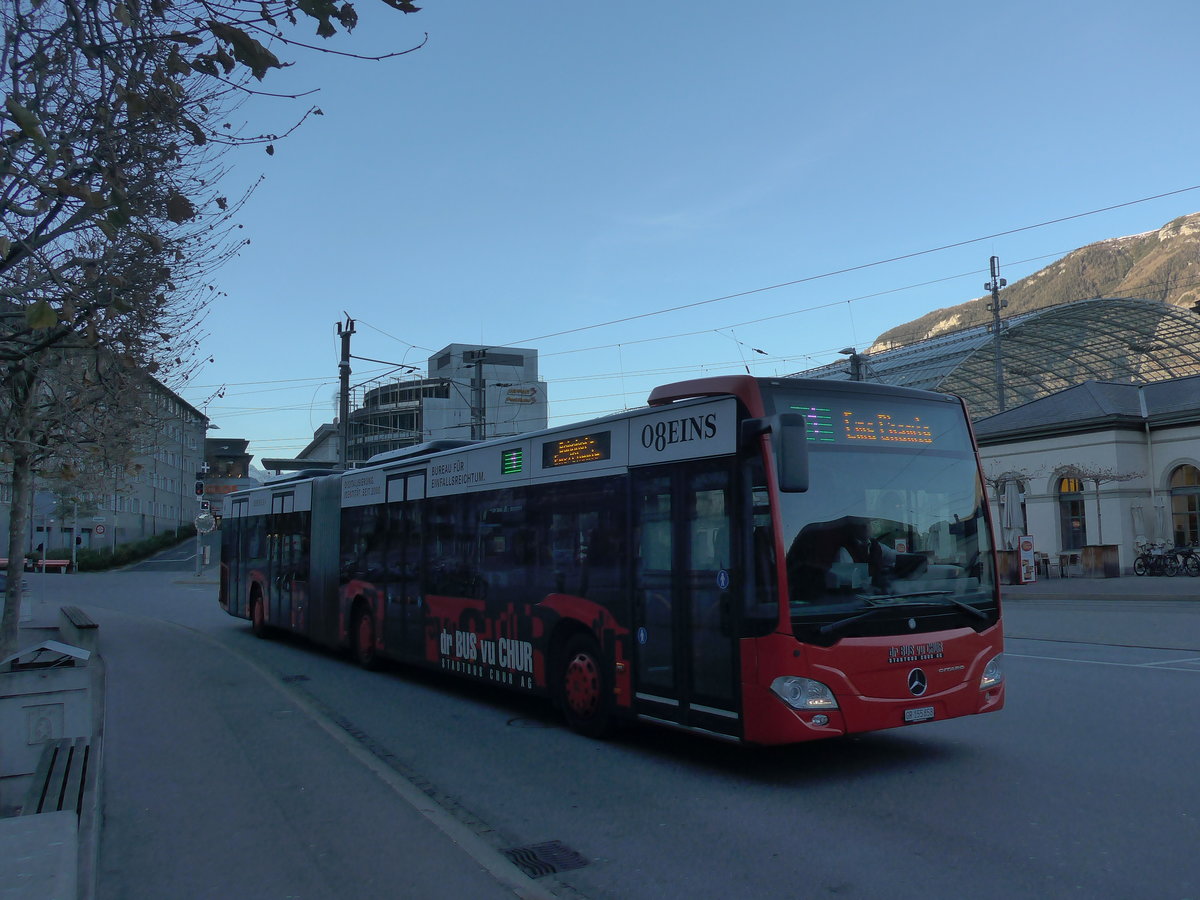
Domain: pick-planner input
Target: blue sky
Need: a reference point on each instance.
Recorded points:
(541, 167)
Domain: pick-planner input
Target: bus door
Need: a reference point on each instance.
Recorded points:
(684, 577)
(234, 536)
(279, 560)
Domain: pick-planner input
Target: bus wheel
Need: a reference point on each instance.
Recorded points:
(583, 691)
(258, 617)
(364, 639)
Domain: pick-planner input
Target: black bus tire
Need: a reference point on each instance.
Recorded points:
(362, 639)
(258, 617)
(583, 689)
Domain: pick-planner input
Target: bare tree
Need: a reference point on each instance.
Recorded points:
(1097, 475)
(998, 479)
(111, 220)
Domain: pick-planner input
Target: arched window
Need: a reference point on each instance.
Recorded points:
(1185, 505)
(1072, 525)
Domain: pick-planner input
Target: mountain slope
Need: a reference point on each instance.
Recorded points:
(1162, 264)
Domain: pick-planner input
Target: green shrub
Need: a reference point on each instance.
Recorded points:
(94, 560)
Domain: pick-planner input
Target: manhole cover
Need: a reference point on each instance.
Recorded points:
(536, 860)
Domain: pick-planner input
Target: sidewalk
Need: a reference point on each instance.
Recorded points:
(1127, 587)
(215, 783)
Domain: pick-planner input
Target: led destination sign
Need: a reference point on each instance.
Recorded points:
(583, 448)
(842, 425)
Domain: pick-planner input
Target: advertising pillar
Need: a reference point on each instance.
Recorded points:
(1026, 562)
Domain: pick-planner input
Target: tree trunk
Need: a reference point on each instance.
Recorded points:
(22, 490)
(21, 390)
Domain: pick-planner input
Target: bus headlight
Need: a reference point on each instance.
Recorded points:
(993, 673)
(803, 693)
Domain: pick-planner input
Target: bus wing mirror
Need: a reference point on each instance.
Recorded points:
(789, 442)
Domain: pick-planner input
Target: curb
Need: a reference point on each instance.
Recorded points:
(91, 815)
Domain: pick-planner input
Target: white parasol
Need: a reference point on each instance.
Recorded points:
(1139, 524)
(1010, 514)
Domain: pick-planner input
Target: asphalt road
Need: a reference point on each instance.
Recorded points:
(1085, 785)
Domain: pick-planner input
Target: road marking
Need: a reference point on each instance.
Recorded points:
(1167, 665)
(1020, 637)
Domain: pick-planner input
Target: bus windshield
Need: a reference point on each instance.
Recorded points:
(890, 536)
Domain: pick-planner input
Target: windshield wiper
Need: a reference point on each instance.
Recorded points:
(834, 627)
(944, 594)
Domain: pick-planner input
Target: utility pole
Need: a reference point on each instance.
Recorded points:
(344, 331)
(994, 308)
(856, 366)
(478, 401)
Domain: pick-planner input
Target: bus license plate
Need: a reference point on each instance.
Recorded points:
(920, 714)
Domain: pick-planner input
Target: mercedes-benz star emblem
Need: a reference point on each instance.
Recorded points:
(917, 682)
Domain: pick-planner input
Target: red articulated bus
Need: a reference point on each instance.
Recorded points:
(762, 560)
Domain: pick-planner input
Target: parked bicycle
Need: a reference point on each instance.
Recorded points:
(1189, 560)
(1155, 560)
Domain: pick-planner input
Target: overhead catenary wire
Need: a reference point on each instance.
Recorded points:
(860, 267)
(744, 323)
(286, 384)
(802, 359)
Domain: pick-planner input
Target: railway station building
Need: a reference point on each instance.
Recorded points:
(1097, 441)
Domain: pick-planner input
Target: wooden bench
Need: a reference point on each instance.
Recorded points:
(77, 628)
(63, 565)
(63, 778)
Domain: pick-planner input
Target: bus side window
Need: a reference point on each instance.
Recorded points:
(452, 545)
(655, 546)
(710, 532)
(503, 545)
(762, 606)
(256, 540)
(362, 532)
(375, 542)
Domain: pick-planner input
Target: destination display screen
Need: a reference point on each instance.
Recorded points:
(582, 448)
(882, 422)
(838, 424)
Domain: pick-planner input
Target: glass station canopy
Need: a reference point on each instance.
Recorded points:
(1042, 352)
